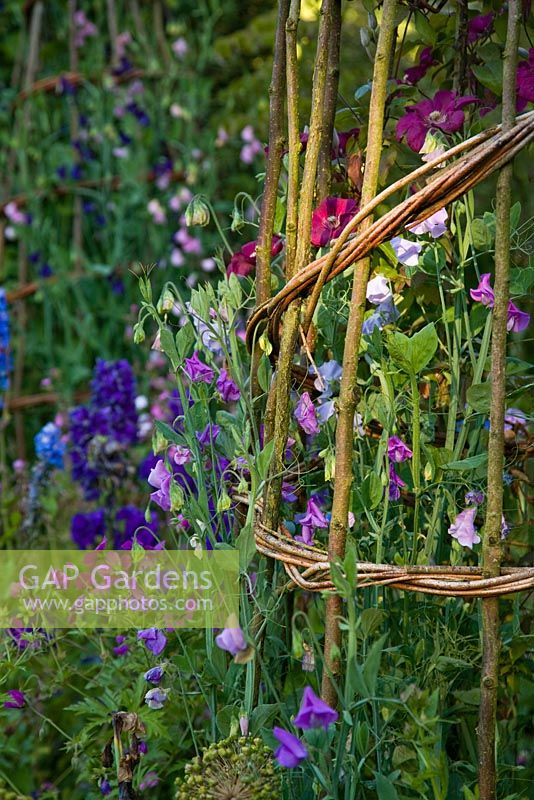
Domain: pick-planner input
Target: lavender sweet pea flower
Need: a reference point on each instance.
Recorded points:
(160, 478)
(314, 712)
(484, 293)
(291, 751)
(407, 252)
(156, 698)
(474, 498)
(182, 455)
(372, 322)
(517, 320)
(513, 417)
(378, 290)
(197, 370)
(313, 517)
(463, 528)
(395, 484)
(18, 700)
(505, 528)
(154, 675)
(208, 435)
(306, 536)
(305, 414)
(329, 372)
(228, 390)
(435, 225)
(288, 492)
(232, 640)
(154, 639)
(325, 410)
(398, 451)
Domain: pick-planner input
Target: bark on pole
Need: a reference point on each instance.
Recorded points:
(347, 402)
(491, 546)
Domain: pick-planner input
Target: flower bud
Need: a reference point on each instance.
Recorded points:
(138, 333)
(197, 212)
(165, 302)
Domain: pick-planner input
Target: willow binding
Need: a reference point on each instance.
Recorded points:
(481, 155)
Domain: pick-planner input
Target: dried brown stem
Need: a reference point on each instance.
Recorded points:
(347, 400)
(491, 544)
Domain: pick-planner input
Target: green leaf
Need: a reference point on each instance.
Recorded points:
(424, 345)
(264, 373)
(384, 788)
(184, 340)
(426, 32)
(169, 348)
(479, 397)
(372, 663)
(168, 433)
(481, 235)
(246, 545)
(490, 76)
(400, 350)
(263, 460)
(372, 490)
(262, 716)
(467, 464)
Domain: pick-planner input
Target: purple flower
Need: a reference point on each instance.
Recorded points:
(314, 712)
(513, 417)
(407, 252)
(121, 647)
(306, 536)
(208, 435)
(414, 74)
(463, 528)
(86, 528)
(18, 699)
(244, 261)
(228, 390)
(156, 698)
(474, 498)
(232, 640)
(130, 524)
(330, 372)
(484, 293)
(378, 290)
(154, 675)
(398, 451)
(313, 517)
(150, 781)
(291, 751)
(505, 528)
(105, 787)
(395, 484)
(329, 219)
(197, 370)
(435, 225)
(517, 320)
(479, 26)
(305, 414)
(182, 455)
(154, 639)
(160, 478)
(442, 113)
(288, 492)
(525, 81)
(385, 314)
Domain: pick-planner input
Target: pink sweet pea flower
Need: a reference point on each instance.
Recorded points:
(442, 113)
(463, 528)
(329, 219)
(517, 320)
(484, 293)
(244, 261)
(398, 451)
(160, 478)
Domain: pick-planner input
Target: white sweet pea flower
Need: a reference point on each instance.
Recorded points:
(378, 290)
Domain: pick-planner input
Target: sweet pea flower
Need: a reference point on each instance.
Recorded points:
(154, 639)
(157, 212)
(525, 81)
(398, 451)
(156, 698)
(474, 498)
(329, 219)
(407, 252)
(442, 113)
(244, 261)
(208, 435)
(180, 47)
(484, 292)
(197, 370)
(306, 536)
(463, 528)
(288, 492)
(435, 225)
(314, 712)
(105, 787)
(305, 414)
(150, 781)
(378, 290)
(232, 640)
(513, 417)
(121, 646)
(18, 699)
(291, 751)
(517, 320)
(385, 314)
(325, 409)
(313, 516)
(160, 478)
(154, 675)
(329, 372)
(395, 484)
(182, 455)
(228, 390)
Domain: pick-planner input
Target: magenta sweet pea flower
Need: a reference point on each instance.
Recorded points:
(232, 640)
(305, 414)
(244, 261)
(395, 484)
(228, 390)
(197, 370)
(435, 225)
(426, 60)
(18, 699)
(329, 219)
(154, 639)
(314, 712)
(442, 113)
(525, 81)
(398, 451)
(517, 320)
(463, 528)
(291, 751)
(160, 478)
(484, 293)
(479, 26)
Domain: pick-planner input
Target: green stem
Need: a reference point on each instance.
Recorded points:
(416, 461)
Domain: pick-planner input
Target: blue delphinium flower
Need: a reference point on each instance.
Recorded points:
(5, 339)
(49, 447)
